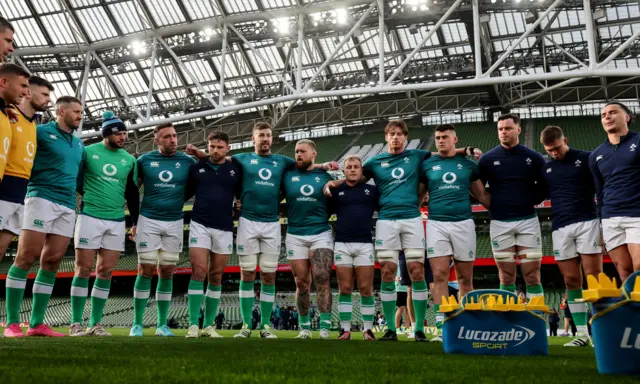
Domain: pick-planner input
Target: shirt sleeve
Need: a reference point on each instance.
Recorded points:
(132, 194)
(140, 166)
(542, 188)
(190, 190)
(482, 169)
(80, 178)
(422, 154)
(475, 172)
(367, 169)
(289, 163)
(598, 180)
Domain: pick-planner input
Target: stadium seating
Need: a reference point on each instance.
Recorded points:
(584, 133)
(480, 135)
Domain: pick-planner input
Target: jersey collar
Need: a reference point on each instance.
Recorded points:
(29, 119)
(3, 106)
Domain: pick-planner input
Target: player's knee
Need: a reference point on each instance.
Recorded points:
(146, 270)
(414, 254)
(303, 284)
(465, 281)
(23, 263)
(214, 278)
(387, 255)
(248, 263)
(572, 281)
(321, 277)
(83, 268)
(440, 276)
(530, 255)
(104, 272)
(366, 290)
(168, 258)
(148, 258)
(346, 288)
(505, 256)
(268, 262)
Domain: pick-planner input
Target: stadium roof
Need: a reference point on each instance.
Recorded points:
(303, 63)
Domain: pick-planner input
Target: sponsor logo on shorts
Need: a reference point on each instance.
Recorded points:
(38, 223)
(338, 257)
(538, 240)
(470, 253)
(230, 247)
(370, 257)
(241, 248)
(193, 240)
(290, 252)
(556, 252)
(495, 243)
(595, 243)
(143, 244)
(84, 241)
(431, 251)
(378, 242)
(1, 220)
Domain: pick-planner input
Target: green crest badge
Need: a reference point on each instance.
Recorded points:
(338, 257)
(431, 251)
(241, 248)
(84, 240)
(38, 223)
(495, 243)
(556, 252)
(194, 240)
(378, 242)
(143, 244)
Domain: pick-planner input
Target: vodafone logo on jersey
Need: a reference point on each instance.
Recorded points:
(449, 177)
(264, 173)
(165, 176)
(109, 169)
(397, 173)
(7, 144)
(306, 190)
(31, 149)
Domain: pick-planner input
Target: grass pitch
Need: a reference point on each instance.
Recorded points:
(121, 359)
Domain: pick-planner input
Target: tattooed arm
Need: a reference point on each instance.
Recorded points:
(321, 260)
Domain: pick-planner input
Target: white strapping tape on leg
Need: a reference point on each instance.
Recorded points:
(248, 262)
(414, 254)
(531, 255)
(505, 256)
(150, 257)
(168, 258)
(269, 262)
(388, 255)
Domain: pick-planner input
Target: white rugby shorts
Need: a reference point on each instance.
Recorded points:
(215, 240)
(256, 237)
(397, 235)
(451, 238)
(618, 231)
(577, 239)
(44, 216)
(353, 255)
(153, 235)
(11, 217)
(298, 247)
(92, 233)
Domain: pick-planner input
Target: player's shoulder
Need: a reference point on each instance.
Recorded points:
(181, 156)
(530, 152)
(598, 151)
(490, 155)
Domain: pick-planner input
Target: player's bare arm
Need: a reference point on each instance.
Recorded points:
(480, 193)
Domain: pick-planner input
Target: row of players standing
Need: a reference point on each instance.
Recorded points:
(109, 175)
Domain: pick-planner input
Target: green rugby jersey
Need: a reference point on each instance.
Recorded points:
(55, 170)
(165, 181)
(398, 179)
(105, 176)
(449, 180)
(308, 213)
(261, 181)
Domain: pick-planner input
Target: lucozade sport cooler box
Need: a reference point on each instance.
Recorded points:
(615, 324)
(492, 322)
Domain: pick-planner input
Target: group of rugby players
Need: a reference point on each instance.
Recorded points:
(49, 164)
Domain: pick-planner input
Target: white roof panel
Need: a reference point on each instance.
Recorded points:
(126, 15)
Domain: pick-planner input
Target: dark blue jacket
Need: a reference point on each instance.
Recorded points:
(354, 207)
(616, 174)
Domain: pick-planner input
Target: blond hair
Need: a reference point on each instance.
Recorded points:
(351, 158)
(308, 142)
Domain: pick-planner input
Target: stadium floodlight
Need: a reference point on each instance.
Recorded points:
(138, 47)
(341, 15)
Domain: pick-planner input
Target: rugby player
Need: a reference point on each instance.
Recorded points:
(14, 86)
(107, 178)
(450, 229)
(49, 216)
(354, 203)
(615, 165)
(18, 147)
(309, 238)
(163, 173)
(514, 174)
(6, 38)
(574, 220)
(396, 172)
(214, 181)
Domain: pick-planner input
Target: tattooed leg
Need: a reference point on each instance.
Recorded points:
(302, 276)
(321, 260)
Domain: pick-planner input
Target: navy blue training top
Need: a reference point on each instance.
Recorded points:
(354, 207)
(214, 186)
(571, 189)
(616, 174)
(515, 181)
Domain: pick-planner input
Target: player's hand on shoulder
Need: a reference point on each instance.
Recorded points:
(12, 115)
(191, 149)
(238, 205)
(331, 166)
(327, 188)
